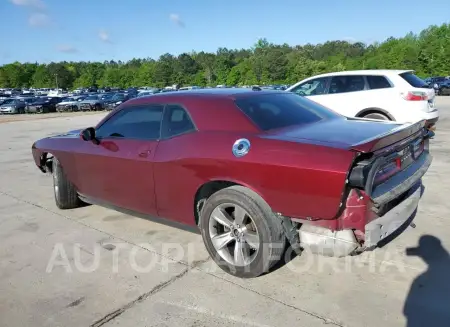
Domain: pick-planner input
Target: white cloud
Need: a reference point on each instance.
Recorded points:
(176, 19)
(67, 48)
(104, 36)
(38, 4)
(38, 19)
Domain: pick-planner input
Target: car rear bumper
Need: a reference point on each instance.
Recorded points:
(384, 226)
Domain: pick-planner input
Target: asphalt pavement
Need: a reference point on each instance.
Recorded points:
(97, 267)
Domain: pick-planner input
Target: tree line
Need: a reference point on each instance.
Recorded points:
(427, 52)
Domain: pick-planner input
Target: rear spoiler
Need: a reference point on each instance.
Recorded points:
(398, 136)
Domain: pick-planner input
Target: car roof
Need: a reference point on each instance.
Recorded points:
(366, 72)
(210, 109)
(210, 94)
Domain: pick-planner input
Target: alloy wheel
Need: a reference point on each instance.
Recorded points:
(233, 234)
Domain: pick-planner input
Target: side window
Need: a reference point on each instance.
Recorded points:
(378, 82)
(344, 84)
(176, 121)
(137, 122)
(315, 86)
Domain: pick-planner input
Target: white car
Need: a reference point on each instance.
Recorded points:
(397, 95)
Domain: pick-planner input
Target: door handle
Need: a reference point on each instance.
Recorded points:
(145, 153)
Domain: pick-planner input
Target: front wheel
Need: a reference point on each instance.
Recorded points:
(241, 233)
(66, 196)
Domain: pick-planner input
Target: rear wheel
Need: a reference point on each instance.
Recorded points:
(241, 233)
(66, 196)
(97, 107)
(376, 115)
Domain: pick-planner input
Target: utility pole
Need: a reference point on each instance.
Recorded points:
(56, 78)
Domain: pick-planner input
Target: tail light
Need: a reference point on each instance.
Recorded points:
(386, 171)
(371, 172)
(415, 96)
(377, 171)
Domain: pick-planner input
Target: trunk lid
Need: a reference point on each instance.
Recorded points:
(357, 134)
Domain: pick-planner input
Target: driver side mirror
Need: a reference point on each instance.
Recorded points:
(88, 134)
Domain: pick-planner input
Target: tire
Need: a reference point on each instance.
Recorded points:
(376, 115)
(97, 107)
(66, 196)
(263, 250)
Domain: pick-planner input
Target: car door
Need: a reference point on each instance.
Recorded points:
(119, 169)
(172, 174)
(315, 89)
(346, 94)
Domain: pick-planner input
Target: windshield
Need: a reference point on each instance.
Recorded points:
(9, 101)
(92, 97)
(278, 110)
(118, 97)
(107, 96)
(414, 81)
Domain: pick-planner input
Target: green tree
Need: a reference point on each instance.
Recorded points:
(428, 53)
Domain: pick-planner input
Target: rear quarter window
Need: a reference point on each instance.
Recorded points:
(378, 82)
(414, 81)
(279, 110)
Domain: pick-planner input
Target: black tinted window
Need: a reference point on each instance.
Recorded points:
(270, 111)
(414, 81)
(378, 82)
(343, 84)
(177, 121)
(140, 122)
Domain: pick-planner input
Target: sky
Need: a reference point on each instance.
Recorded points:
(98, 30)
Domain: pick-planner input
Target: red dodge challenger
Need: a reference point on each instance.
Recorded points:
(252, 169)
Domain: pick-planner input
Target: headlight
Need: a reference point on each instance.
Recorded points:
(118, 102)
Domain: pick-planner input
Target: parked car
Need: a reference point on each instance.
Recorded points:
(70, 104)
(116, 100)
(57, 93)
(435, 81)
(444, 88)
(146, 93)
(4, 97)
(397, 95)
(107, 95)
(251, 169)
(12, 106)
(43, 105)
(92, 102)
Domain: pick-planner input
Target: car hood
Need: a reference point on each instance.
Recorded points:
(38, 103)
(69, 134)
(68, 102)
(7, 105)
(90, 101)
(339, 132)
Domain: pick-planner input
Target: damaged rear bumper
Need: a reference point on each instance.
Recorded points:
(384, 226)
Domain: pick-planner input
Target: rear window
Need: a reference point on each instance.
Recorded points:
(414, 81)
(272, 111)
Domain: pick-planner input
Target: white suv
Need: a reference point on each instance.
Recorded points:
(396, 95)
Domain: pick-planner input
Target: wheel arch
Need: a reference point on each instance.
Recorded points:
(205, 190)
(373, 110)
